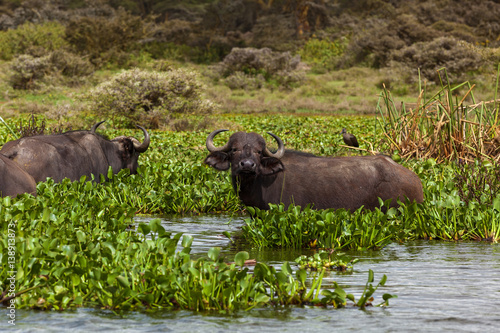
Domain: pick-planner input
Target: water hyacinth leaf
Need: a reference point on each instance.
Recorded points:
(281, 277)
(387, 297)
(213, 253)
(144, 228)
(187, 240)
(285, 268)
(370, 276)
(75, 279)
(302, 276)
(496, 203)
(80, 236)
(155, 225)
(261, 298)
(78, 300)
(241, 257)
(123, 281)
(228, 235)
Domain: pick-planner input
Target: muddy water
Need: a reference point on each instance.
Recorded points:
(441, 287)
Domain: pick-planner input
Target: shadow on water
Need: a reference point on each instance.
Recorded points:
(441, 287)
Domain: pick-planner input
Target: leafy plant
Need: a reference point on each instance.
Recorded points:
(322, 53)
(149, 97)
(32, 39)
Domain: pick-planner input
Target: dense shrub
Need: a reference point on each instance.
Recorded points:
(58, 67)
(250, 64)
(32, 39)
(28, 71)
(107, 39)
(458, 57)
(322, 53)
(149, 97)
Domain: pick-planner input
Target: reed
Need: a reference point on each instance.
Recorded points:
(445, 126)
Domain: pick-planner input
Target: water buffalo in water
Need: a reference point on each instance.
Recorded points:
(14, 180)
(74, 154)
(261, 177)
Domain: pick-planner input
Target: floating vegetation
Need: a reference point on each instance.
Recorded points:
(323, 260)
(72, 248)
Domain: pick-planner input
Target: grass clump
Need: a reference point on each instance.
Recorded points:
(446, 126)
(150, 98)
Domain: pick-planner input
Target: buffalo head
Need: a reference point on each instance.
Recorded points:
(127, 149)
(246, 153)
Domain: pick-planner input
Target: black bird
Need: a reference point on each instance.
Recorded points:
(349, 139)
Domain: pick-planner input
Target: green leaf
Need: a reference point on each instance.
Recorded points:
(241, 257)
(285, 268)
(187, 240)
(227, 234)
(80, 236)
(213, 253)
(75, 279)
(370, 276)
(144, 228)
(123, 281)
(383, 280)
(301, 276)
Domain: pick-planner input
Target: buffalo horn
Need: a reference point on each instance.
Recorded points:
(142, 147)
(95, 126)
(210, 142)
(281, 148)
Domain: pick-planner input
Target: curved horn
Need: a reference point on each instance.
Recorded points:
(281, 148)
(210, 142)
(95, 126)
(145, 144)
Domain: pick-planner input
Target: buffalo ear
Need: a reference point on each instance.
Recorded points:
(271, 165)
(218, 160)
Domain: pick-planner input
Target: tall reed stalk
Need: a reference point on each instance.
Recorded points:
(445, 126)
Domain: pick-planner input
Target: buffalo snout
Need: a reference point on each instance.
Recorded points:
(247, 165)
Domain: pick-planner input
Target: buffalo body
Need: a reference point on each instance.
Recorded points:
(75, 154)
(14, 180)
(261, 177)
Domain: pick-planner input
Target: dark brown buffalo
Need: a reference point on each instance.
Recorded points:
(74, 154)
(261, 177)
(14, 180)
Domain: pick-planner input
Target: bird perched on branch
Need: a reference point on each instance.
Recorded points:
(349, 138)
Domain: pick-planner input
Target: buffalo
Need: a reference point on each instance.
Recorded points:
(75, 154)
(260, 176)
(14, 180)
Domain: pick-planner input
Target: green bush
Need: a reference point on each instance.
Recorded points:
(32, 39)
(107, 39)
(149, 97)
(58, 67)
(322, 53)
(245, 68)
(458, 57)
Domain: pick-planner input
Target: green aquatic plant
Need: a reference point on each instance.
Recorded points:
(323, 259)
(71, 247)
(298, 227)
